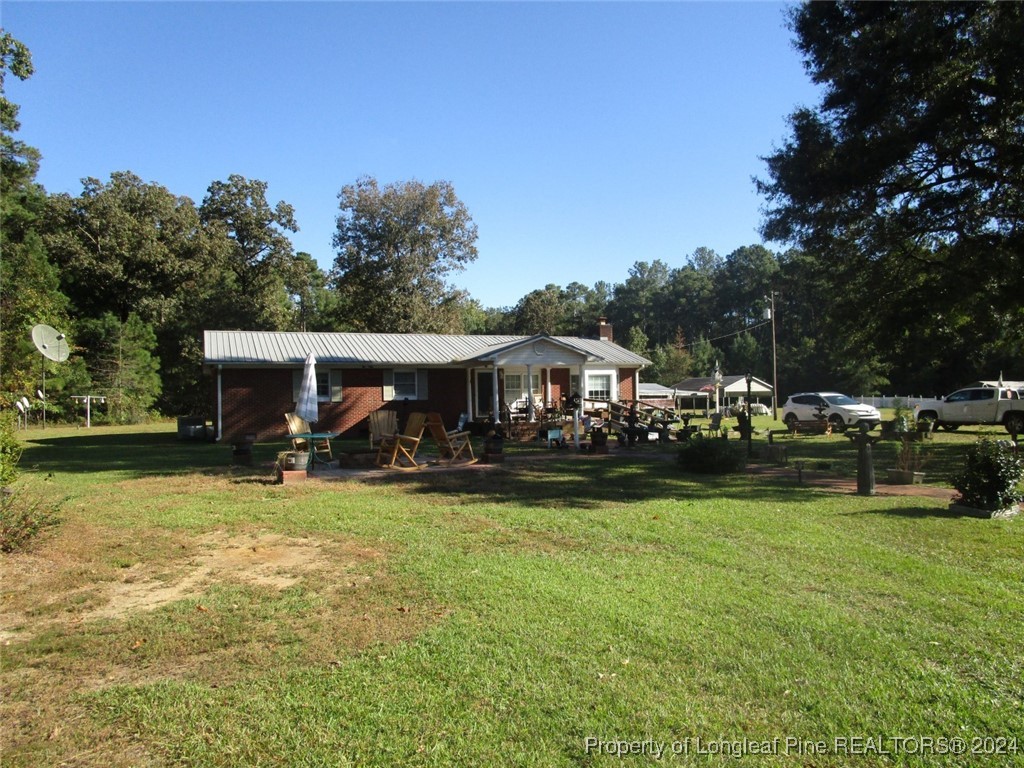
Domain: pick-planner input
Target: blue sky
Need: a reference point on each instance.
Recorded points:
(583, 137)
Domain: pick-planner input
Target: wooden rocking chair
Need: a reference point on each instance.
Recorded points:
(453, 446)
(399, 450)
(383, 423)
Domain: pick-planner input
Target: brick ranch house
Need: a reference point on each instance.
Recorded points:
(256, 375)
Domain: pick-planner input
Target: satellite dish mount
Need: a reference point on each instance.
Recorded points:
(52, 346)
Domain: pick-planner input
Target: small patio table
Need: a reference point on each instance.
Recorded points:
(311, 439)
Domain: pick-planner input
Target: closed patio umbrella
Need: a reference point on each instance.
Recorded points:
(306, 407)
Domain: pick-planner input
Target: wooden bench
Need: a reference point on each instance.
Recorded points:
(810, 427)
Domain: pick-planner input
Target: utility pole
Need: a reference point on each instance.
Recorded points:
(775, 369)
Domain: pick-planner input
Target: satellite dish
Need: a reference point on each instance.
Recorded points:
(51, 343)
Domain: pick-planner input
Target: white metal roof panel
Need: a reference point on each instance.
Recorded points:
(291, 348)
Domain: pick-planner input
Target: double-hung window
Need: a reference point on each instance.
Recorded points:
(328, 385)
(405, 384)
(599, 386)
(515, 385)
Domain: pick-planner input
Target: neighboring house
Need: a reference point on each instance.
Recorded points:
(256, 375)
(730, 389)
(656, 395)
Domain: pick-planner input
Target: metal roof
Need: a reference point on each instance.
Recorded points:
(289, 348)
(732, 383)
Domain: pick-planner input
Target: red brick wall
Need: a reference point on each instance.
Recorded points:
(626, 389)
(255, 401)
(559, 383)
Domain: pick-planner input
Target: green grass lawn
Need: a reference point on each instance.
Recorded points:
(500, 616)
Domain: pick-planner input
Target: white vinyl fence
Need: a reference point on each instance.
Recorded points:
(892, 401)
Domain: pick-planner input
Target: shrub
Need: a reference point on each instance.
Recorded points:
(21, 520)
(10, 449)
(991, 476)
(711, 456)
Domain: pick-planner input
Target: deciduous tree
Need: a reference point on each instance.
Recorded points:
(396, 247)
(125, 246)
(254, 251)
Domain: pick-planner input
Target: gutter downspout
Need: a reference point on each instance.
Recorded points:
(220, 404)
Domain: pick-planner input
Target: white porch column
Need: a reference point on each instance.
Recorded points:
(547, 387)
(529, 393)
(469, 393)
(494, 399)
(578, 413)
(636, 384)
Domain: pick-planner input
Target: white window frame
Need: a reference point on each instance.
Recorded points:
(415, 382)
(515, 390)
(612, 385)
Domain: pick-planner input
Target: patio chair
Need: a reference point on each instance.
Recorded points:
(714, 427)
(454, 446)
(399, 450)
(297, 426)
(383, 423)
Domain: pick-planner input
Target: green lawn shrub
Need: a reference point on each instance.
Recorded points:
(22, 519)
(990, 478)
(711, 456)
(10, 449)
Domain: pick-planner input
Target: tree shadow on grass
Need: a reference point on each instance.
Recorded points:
(589, 483)
(566, 482)
(914, 513)
(136, 454)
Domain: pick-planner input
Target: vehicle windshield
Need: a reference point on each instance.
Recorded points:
(841, 400)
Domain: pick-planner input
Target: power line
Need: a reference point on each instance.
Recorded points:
(727, 335)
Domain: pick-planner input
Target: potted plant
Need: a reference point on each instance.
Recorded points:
(905, 424)
(989, 483)
(494, 446)
(909, 462)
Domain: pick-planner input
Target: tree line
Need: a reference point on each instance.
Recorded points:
(899, 196)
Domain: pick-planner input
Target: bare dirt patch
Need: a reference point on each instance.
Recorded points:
(94, 608)
(263, 559)
(89, 575)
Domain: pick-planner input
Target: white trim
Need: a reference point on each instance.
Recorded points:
(613, 383)
(494, 398)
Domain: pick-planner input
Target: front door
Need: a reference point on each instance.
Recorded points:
(484, 393)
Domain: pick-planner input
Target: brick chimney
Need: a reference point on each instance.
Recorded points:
(604, 329)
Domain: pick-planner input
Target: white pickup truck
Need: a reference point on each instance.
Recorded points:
(977, 405)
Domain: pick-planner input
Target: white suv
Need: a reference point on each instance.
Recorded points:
(841, 410)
